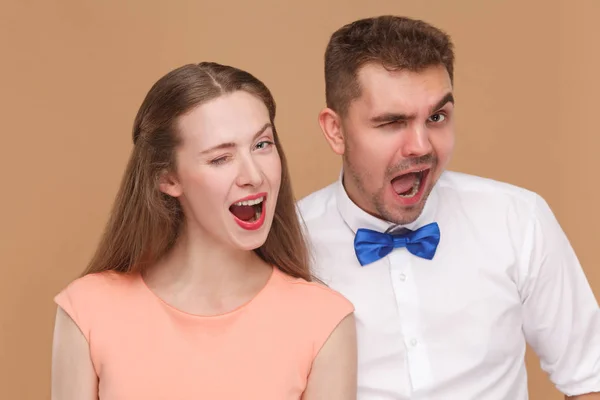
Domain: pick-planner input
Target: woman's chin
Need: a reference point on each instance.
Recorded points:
(251, 240)
(250, 244)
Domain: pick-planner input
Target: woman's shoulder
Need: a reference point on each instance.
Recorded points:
(316, 309)
(313, 301)
(313, 293)
(98, 284)
(90, 296)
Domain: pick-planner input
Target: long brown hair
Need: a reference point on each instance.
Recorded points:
(144, 222)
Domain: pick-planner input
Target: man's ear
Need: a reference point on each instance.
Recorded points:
(169, 184)
(331, 125)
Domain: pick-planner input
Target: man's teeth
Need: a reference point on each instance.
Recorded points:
(250, 202)
(415, 188)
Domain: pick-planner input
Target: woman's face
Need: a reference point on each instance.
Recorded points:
(228, 170)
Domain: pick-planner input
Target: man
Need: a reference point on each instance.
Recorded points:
(451, 274)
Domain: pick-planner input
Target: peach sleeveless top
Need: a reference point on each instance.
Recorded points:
(142, 348)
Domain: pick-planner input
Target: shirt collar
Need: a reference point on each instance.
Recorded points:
(355, 217)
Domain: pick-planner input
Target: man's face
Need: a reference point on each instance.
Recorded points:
(398, 137)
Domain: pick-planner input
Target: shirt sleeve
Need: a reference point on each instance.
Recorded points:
(74, 300)
(561, 315)
(333, 308)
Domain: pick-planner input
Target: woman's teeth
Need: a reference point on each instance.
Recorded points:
(258, 211)
(250, 202)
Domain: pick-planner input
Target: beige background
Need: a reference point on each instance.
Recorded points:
(74, 72)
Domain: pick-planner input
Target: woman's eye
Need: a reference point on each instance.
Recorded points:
(264, 144)
(218, 161)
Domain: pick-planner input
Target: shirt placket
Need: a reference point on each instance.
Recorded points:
(407, 300)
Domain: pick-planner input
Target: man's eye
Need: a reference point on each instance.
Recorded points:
(392, 124)
(437, 117)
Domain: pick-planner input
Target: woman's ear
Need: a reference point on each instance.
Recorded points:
(169, 184)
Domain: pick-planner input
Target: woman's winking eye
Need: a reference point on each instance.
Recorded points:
(219, 160)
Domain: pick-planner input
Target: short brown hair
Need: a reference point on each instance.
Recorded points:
(145, 222)
(395, 42)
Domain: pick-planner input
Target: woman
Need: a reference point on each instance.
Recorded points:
(200, 287)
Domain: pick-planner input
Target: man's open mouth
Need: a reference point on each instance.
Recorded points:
(409, 185)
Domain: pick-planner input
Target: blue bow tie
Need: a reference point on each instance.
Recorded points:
(371, 245)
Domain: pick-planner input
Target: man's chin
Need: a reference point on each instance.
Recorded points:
(403, 214)
(407, 215)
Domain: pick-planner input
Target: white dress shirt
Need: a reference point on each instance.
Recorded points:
(456, 327)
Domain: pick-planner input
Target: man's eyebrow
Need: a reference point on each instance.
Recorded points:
(448, 98)
(390, 117)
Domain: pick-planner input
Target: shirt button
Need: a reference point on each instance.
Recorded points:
(413, 342)
(402, 277)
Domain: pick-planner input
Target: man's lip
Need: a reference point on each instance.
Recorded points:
(251, 197)
(414, 169)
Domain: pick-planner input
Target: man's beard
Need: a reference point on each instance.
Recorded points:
(397, 215)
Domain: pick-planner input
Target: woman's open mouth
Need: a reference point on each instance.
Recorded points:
(249, 212)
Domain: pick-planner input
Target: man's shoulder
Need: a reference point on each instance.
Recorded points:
(474, 185)
(318, 203)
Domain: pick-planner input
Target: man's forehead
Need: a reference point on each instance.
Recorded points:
(380, 87)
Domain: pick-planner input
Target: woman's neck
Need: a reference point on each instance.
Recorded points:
(201, 275)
